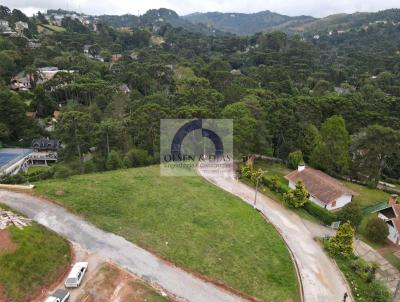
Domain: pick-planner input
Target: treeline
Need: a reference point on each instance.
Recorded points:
(283, 93)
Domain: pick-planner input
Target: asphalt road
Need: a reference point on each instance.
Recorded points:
(321, 279)
(109, 246)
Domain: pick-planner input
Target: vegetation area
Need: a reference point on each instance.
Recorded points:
(38, 257)
(359, 274)
(286, 93)
(188, 221)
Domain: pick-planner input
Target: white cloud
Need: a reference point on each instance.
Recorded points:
(315, 8)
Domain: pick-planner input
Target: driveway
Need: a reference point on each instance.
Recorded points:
(321, 279)
(109, 246)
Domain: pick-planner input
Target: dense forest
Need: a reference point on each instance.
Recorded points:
(335, 98)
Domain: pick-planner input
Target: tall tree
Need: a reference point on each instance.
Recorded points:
(374, 148)
(76, 130)
(244, 127)
(332, 151)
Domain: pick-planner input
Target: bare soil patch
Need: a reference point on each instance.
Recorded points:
(6, 244)
(114, 285)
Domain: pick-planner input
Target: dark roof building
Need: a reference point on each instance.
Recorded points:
(45, 144)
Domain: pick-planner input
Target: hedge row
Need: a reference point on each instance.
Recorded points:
(322, 214)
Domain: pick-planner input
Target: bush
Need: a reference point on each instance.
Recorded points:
(376, 230)
(351, 212)
(40, 173)
(296, 198)
(379, 292)
(137, 158)
(342, 243)
(89, 166)
(62, 171)
(322, 214)
(294, 159)
(114, 161)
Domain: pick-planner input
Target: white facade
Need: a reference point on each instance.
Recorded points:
(335, 205)
(393, 233)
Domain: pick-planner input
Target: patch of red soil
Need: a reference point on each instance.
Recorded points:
(6, 244)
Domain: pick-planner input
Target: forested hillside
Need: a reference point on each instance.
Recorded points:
(335, 98)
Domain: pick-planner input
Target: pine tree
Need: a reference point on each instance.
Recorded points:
(342, 242)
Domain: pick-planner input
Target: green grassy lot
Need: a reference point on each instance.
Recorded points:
(53, 27)
(40, 257)
(187, 220)
(367, 196)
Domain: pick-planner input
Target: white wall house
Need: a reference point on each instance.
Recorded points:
(391, 215)
(324, 190)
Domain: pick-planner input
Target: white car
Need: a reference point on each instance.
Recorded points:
(75, 277)
(60, 295)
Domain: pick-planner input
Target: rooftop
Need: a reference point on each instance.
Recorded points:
(320, 185)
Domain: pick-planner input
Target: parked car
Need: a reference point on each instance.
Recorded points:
(75, 277)
(60, 295)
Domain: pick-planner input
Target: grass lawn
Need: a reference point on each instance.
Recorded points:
(53, 27)
(187, 220)
(393, 260)
(37, 258)
(367, 196)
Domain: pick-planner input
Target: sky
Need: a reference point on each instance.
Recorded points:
(316, 8)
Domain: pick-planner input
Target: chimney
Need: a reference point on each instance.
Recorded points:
(301, 167)
(393, 199)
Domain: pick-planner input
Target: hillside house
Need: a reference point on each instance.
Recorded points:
(45, 145)
(4, 26)
(20, 82)
(391, 215)
(324, 190)
(20, 26)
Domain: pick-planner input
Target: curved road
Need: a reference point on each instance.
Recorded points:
(321, 279)
(129, 256)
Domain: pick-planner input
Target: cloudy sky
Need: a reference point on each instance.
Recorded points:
(317, 8)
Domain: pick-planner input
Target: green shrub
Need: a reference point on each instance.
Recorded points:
(114, 161)
(89, 166)
(137, 158)
(294, 159)
(322, 214)
(351, 212)
(376, 230)
(342, 243)
(62, 171)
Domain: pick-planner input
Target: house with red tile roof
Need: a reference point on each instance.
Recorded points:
(324, 190)
(391, 215)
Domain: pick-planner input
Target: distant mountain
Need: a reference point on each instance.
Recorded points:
(347, 21)
(247, 24)
(158, 17)
(266, 21)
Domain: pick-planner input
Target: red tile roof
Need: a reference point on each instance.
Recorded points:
(31, 114)
(320, 185)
